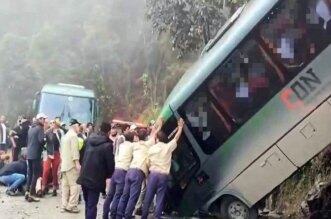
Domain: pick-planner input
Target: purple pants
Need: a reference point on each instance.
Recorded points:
(157, 185)
(129, 198)
(115, 193)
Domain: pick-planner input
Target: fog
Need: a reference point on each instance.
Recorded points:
(106, 45)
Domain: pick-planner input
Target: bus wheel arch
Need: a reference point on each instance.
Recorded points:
(231, 207)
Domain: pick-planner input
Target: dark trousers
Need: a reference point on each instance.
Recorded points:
(157, 185)
(116, 190)
(129, 198)
(91, 199)
(34, 172)
(15, 153)
(3, 147)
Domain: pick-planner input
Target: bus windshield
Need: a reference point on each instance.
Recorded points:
(67, 107)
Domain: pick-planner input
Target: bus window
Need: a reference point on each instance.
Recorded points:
(296, 31)
(205, 121)
(245, 82)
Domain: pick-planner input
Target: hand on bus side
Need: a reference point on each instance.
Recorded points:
(180, 123)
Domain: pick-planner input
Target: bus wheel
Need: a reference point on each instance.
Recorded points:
(233, 208)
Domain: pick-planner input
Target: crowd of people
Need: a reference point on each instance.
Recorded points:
(135, 163)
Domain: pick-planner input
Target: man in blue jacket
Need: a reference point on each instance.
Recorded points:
(36, 141)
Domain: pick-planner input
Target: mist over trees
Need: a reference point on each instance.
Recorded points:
(122, 49)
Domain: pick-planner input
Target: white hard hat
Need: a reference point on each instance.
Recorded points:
(41, 116)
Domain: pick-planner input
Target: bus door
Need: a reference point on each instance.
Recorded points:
(184, 165)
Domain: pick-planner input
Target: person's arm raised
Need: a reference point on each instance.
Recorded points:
(180, 129)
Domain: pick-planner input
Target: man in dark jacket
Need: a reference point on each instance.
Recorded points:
(13, 175)
(98, 165)
(36, 141)
(19, 136)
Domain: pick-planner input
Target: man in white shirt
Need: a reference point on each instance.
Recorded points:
(123, 158)
(3, 134)
(159, 162)
(136, 174)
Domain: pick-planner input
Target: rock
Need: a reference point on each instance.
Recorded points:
(317, 204)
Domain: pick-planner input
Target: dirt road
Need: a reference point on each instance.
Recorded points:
(47, 208)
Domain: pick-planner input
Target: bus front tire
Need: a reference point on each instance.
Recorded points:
(233, 208)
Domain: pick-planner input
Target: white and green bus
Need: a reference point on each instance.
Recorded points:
(67, 101)
(257, 107)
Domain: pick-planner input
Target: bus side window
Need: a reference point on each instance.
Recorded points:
(245, 82)
(296, 31)
(205, 121)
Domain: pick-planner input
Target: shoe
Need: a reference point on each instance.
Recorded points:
(34, 199)
(54, 193)
(11, 193)
(73, 210)
(27, 195)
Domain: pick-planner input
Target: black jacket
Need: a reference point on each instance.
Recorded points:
(53, 141)
(14, 167)
(98, 163)
(36, 141)
(22, 134)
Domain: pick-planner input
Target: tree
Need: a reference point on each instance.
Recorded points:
(191, 23)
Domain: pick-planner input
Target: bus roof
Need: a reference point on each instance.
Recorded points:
(68, 89)
(252, 13)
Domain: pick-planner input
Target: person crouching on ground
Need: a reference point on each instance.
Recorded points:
(13, 175)
(52, 162)
(123, 157)
(98, 165)
(70, 168)
(159, 162)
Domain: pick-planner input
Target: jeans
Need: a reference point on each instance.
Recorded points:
(14, 181)
(91, 199)
(34, 172)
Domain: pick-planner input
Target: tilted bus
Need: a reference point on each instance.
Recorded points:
(67, 101)
(257, 107)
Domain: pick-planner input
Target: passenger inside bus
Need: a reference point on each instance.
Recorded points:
(243, 84)
(295, 37)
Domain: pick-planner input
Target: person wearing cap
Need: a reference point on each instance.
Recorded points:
(159, 162)
(98, 165)
(123, 157)
(36, 142)
(70, 168)
(53, 159)
(136, 174)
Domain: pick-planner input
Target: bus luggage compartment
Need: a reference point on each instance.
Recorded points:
(260, 178)
(309, 137)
